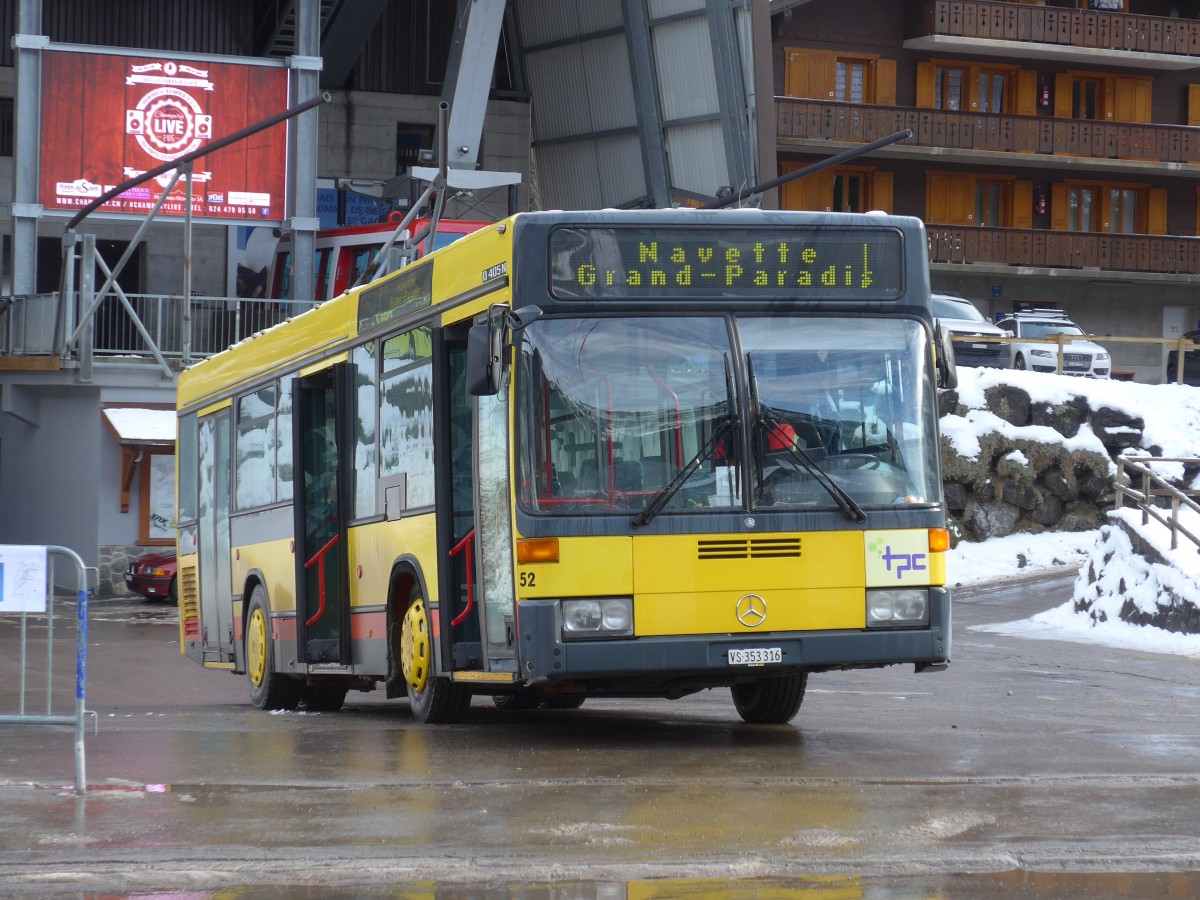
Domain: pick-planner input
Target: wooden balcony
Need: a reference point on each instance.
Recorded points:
(1083, 29)
(1151, 254)
(856, 123)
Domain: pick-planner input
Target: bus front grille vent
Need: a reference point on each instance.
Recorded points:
(749, 548)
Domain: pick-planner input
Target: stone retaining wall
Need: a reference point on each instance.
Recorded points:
(1045, 473)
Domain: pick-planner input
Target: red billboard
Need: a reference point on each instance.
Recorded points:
(107, 118)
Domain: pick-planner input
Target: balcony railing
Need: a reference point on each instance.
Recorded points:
(28, 327)
(1163, 254)
(857, 123)
(1065, 27)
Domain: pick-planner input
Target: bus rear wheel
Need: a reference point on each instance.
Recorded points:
(770, 701)
(433, 700)
(268, 689)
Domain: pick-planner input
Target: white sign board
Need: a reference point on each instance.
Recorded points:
(22, 578)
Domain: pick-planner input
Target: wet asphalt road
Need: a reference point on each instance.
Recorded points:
(1031, 768)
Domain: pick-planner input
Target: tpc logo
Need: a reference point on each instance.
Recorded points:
(899, 563)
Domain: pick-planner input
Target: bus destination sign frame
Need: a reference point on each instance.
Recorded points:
(771, 263)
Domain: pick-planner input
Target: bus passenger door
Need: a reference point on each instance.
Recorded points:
(322, 584)
(475, 540)
(216, 591)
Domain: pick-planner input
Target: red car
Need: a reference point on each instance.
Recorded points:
(153, 576)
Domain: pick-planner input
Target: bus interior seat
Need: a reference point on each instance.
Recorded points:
(566, 483)
(627, 475)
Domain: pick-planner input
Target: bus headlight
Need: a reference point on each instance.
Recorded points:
(603, 617)
(897, 607)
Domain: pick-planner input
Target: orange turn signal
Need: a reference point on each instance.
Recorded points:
(537, 550)
(939, 540)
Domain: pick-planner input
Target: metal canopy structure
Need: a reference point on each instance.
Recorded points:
(640, 102)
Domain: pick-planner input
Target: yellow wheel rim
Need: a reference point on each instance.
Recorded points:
(414, 647)
(256, 647)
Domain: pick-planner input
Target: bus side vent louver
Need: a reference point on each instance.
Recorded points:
(749, 548)
(189, 601)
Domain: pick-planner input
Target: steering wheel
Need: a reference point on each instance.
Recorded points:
(863, 460)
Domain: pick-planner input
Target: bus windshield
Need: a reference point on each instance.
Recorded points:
(612, 410)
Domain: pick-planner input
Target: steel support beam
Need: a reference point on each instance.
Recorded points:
(649, 112)
(469, 77)
(736, 125)
(28, 44)
(302, 137)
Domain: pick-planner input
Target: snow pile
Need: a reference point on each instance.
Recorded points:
(1158, 588)
(1171, 413)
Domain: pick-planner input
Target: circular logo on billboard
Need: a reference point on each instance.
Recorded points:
(168, 123)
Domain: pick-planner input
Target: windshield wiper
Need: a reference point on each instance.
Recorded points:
(729, 425)
(765, 418)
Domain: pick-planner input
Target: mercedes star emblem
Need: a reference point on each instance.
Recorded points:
(752, 610)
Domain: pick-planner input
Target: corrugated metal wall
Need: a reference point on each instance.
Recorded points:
(194, 26)
(406, 54)
(603, 139)
(586, 147)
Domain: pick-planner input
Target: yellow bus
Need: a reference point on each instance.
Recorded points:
(579, 454)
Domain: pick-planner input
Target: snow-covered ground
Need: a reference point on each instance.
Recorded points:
(1172, 423)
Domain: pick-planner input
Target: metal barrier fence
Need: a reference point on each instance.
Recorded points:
(207, 325)
(27, 582)
(1155, 490)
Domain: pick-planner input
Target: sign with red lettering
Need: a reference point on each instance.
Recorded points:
(107, 118)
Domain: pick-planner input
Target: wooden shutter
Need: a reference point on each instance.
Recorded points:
(937, 199)
(1026, 93)
(818, 191)
(881, 191)
(1059, 208)
(791, 195)
(962, 200)
(1022, 205)
(795, 73)
(1156, 211)
(1131, 99)
(1063, 83)
(885, 82)
(822, 80)
(1194, 106)
(927, 85)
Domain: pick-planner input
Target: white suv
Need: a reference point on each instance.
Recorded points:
(1080, 357)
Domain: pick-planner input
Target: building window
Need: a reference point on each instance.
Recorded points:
(851, 80)
(6, 126)
(844, 189)
(990, 197)
(410, 141)
(1108, 208)
(156, 524)
(1099, 96)
(821, 75)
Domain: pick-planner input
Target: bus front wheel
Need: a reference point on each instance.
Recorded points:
(268, 689)
(770, 701)
(433, 700)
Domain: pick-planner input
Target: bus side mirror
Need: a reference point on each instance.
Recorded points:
(485, 360)
(943, 349)
(486, 346)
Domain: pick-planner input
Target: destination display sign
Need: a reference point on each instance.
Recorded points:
(828, 263)
(397, 296)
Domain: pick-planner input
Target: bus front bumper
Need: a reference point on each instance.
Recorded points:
(546, 658)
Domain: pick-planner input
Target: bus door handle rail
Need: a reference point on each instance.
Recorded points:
(465, 545)
(319, 559)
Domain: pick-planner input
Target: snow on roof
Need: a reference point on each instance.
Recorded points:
(135, 425)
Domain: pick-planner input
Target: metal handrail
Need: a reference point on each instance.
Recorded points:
(1155, 486)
